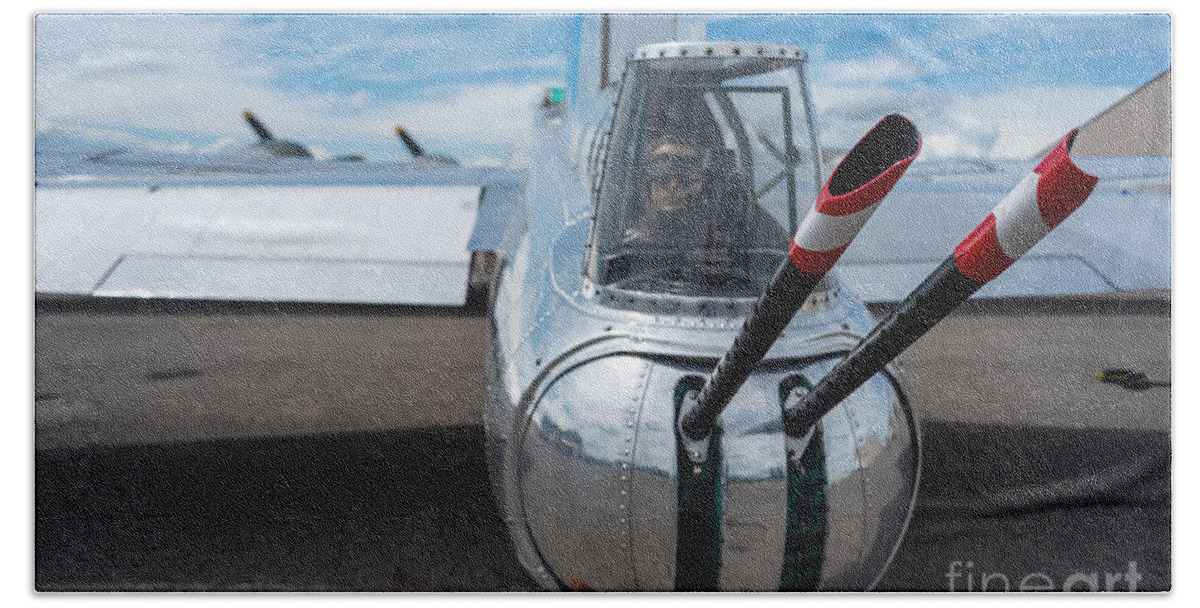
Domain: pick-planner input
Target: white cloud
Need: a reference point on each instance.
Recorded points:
(94, 139)
(1033, 117)
(489, 112)
(195, 75)
(182, 75)
(486, 162)
(466, 70)
(877, 69)
(220, 146)
(1014, 123)
(916, 52)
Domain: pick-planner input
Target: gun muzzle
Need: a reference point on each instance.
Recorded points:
(259, 129)
(1054, 189)
(851, 195)
(409, 142)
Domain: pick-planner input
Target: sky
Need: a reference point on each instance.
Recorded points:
(994, 85)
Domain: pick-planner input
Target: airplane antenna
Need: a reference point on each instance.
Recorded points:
(854, 190)
(1055, 189)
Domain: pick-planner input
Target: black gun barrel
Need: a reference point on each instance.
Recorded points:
(1045, 198)
(854, 190)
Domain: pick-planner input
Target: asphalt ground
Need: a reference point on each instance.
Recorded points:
(217, 446)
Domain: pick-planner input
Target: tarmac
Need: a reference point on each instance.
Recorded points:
(223, 446)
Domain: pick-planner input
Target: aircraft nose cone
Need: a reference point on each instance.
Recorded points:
(596, 478)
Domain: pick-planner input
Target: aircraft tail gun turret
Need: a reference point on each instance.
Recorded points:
(1055, 189)
(854, 190)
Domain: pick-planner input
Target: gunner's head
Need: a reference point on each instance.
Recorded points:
(675, 172)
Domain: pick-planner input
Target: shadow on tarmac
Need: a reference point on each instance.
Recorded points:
(412, 511)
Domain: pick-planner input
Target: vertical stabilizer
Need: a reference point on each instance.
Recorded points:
(606, 39)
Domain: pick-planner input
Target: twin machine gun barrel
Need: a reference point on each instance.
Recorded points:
(1054, 189)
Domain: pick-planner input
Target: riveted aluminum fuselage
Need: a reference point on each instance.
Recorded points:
(580, 421)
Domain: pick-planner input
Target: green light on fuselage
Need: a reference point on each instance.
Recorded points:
(557, 95)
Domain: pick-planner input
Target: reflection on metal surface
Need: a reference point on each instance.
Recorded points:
(596, 477)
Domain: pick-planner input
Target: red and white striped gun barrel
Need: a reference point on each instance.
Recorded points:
(1045, 198)
(853, 192)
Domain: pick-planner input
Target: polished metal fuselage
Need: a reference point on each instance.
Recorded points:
(580, 420)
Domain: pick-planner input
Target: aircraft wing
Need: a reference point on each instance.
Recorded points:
(358, 233)
(1119, 241)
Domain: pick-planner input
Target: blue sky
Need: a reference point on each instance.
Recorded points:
(976, 84)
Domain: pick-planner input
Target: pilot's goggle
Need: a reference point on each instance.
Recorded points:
(667, 167)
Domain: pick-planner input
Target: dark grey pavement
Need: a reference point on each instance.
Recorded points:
(261, 447)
